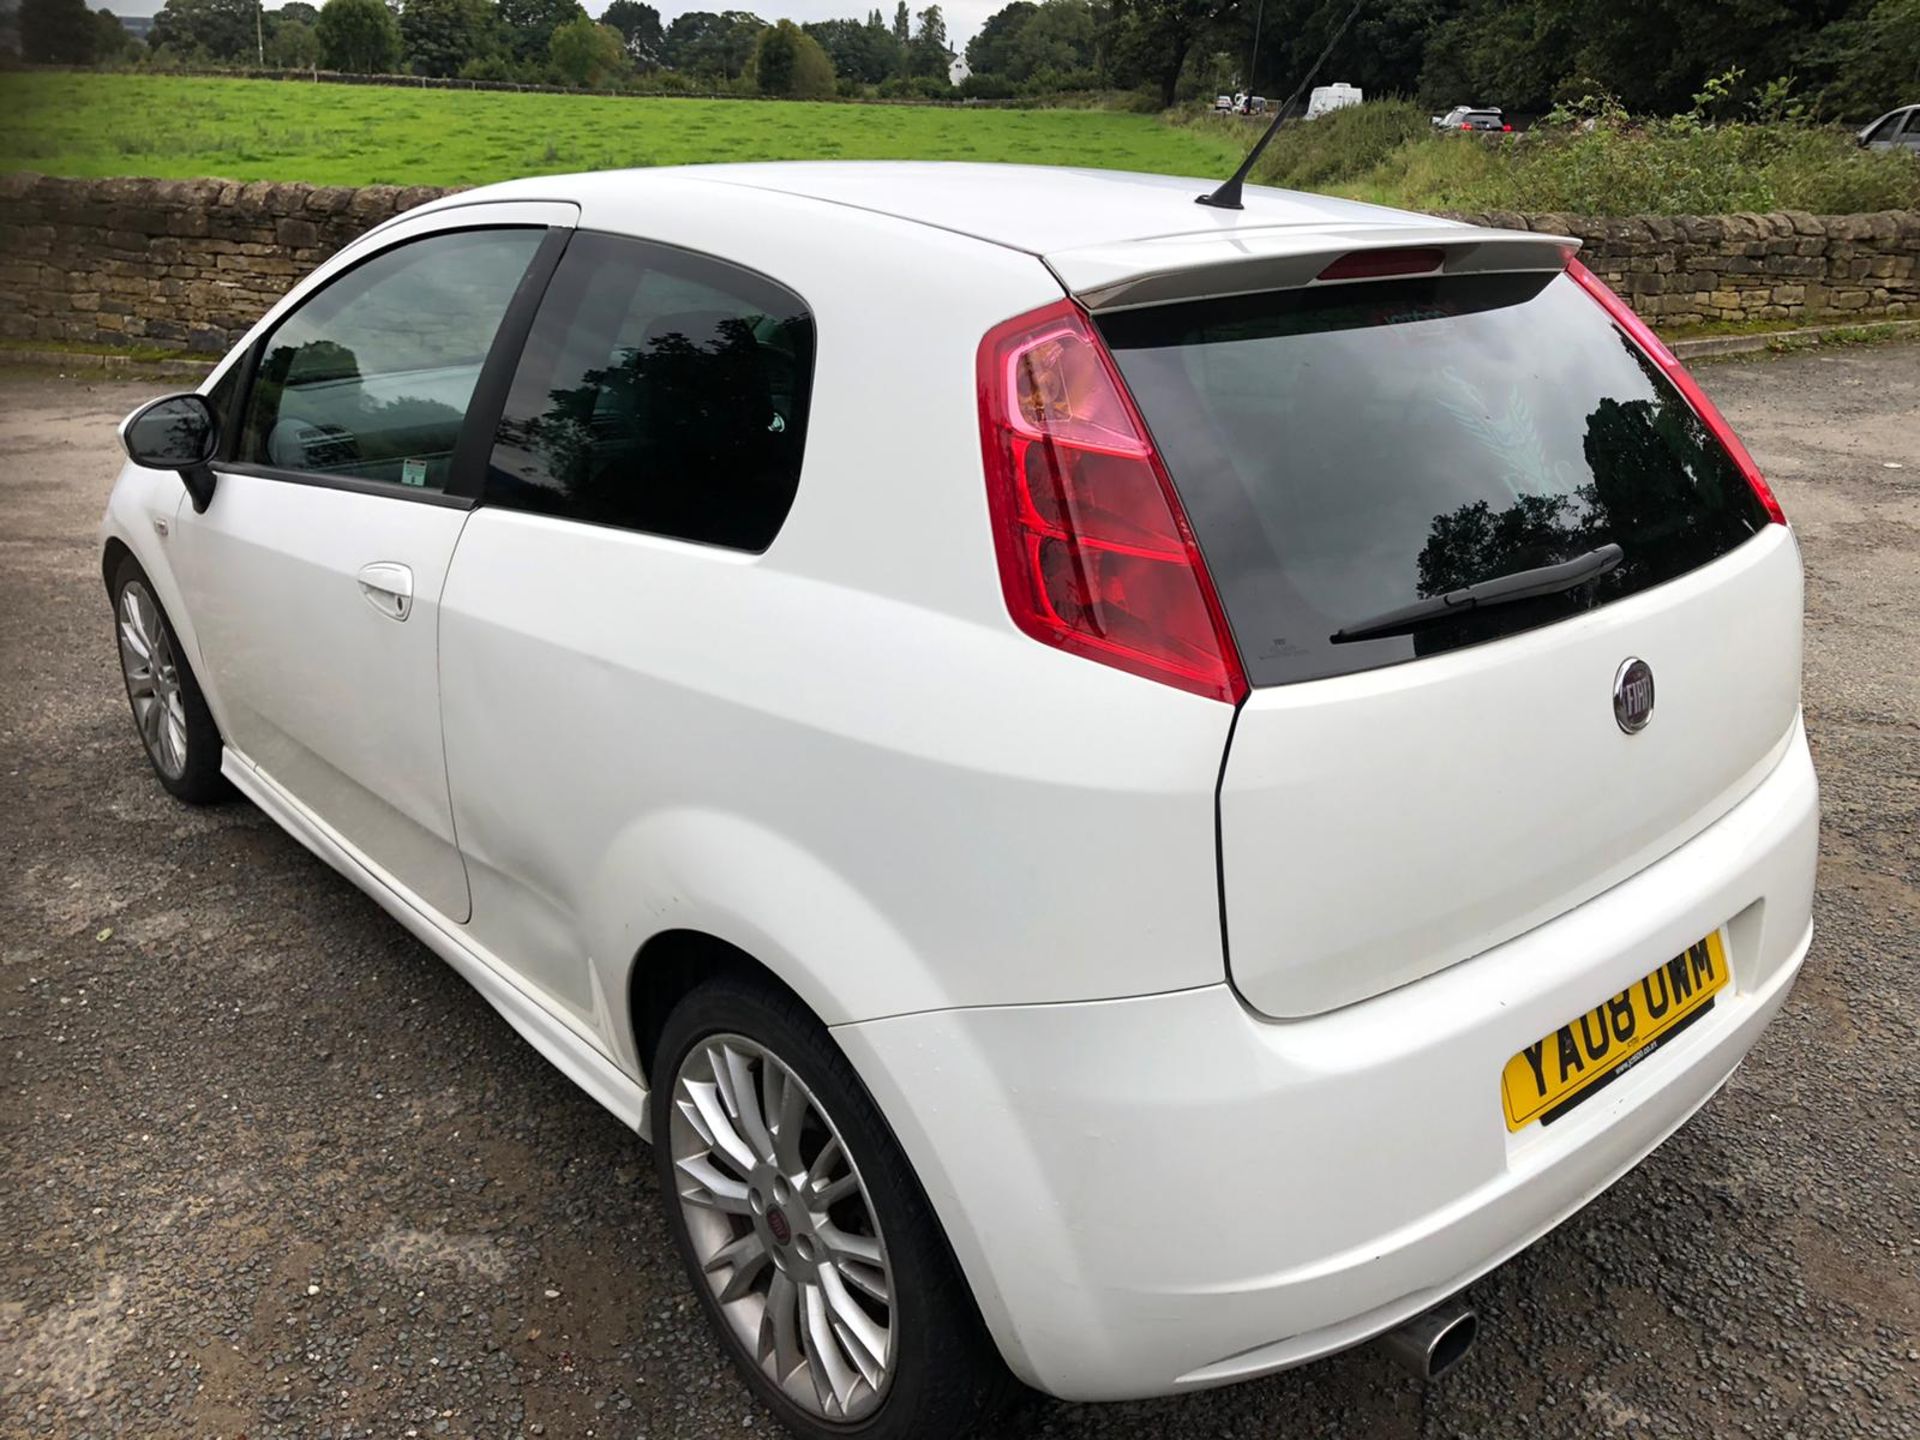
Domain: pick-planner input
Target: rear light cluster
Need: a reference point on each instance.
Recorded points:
(1096, 557)
(1709, 413)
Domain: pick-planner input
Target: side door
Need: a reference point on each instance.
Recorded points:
(649, 448)
(346, 475)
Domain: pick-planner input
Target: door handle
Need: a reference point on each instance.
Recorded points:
(388, 587)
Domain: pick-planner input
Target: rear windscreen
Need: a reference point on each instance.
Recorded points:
(1344, 451)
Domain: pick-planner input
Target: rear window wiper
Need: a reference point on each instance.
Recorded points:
(1501, 590)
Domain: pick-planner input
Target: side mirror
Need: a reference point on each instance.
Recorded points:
(176, 432)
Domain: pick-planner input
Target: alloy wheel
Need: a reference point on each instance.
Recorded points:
(783, 1227)
(153, 680)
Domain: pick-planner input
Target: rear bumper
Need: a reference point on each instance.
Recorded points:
(1169, 1192)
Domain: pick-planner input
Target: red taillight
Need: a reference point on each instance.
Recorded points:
(1506, 129)
(1377, 264)
(1466, 124)
(1709, 413)
(1095, 554)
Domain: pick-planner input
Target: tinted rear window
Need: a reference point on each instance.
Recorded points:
(1344, 451)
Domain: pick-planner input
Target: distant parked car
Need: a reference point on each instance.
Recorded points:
(1895, 130)
(1325, 99)
(1223, 104)
(1472, 117)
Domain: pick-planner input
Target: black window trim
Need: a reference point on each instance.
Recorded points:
(466, 472)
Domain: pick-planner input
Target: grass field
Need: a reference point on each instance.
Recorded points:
(179, 127)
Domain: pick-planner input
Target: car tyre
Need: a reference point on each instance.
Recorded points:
(169, 711)
(811, 1243)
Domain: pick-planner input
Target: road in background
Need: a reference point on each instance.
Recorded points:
(271, 1169)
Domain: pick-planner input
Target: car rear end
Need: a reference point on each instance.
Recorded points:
(1507, 886)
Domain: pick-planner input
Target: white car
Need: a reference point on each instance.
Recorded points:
(1895, 130)
(1325, 99)
(1085, 766)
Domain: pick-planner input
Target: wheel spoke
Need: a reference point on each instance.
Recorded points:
(710, 1189)
(833, 1377)
(789, 1112)
(862, 1249)
(718, 1129)
(745, 1258)
(864, 1341)
(133, 630)
(780, 1327)
(734, 1074)
(822, 1194)
(871, 1280)
(831, 1154)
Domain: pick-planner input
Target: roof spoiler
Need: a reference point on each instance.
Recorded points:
(1246, 260)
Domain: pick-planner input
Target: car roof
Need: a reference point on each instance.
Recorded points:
(1035, 208)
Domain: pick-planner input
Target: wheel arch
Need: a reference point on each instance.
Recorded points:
(111, 554)
(672, 964)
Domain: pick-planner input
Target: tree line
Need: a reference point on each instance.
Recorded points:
(529, 41)
(1828, 58)
(1852, 58)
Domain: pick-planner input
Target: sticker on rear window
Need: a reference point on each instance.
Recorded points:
(413, 472)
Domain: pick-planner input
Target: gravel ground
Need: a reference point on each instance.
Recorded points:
(272, 1170)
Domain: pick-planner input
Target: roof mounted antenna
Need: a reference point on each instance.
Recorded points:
(1227, 197)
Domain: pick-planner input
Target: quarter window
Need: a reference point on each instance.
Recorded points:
(659, 391)
(371, 377)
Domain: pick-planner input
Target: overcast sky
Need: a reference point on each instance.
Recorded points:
(964, 17)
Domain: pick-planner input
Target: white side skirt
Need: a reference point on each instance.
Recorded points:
(577, 1057)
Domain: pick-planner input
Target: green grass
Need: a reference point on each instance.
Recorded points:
(179, 127)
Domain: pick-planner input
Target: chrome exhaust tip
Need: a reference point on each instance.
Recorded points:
(1433, 1343)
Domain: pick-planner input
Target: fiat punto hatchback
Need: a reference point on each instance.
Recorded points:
(1130, 793)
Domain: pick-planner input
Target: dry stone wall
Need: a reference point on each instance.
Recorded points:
(190, 264)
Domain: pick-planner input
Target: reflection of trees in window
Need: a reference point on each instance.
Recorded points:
(316, 360)
(1660, 486)
(670, 436)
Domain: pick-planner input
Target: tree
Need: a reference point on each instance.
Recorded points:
(297, 10)
(860, 50)
(790, 62)
(110, 38)
(529, 25)
(439, 37)
(57, 32)
(216, 29)
(639, 27)
(1156, 36)
(929, 54)
(358, 35)
(720, 46)
(1023, 40)
(587, 53)
(902, 26)
(991, 51)
(293, 45)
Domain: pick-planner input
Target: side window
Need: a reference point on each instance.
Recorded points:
(659, 391)
(371, 377)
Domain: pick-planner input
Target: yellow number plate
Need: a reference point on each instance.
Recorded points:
(1547, 1079)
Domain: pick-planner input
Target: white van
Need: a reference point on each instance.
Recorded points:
(1325, 99)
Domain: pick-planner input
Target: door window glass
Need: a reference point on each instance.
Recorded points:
(659, 391)
(370, 378)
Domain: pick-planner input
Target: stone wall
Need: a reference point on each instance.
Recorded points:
(178, 264)
(190, 264)
(1789, 267)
